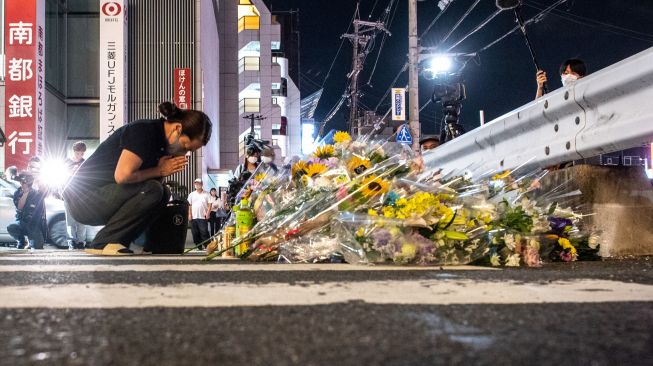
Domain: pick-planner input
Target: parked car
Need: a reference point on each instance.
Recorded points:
(55, 213)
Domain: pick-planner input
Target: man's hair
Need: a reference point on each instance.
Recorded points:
(79, 146)
(576, 65)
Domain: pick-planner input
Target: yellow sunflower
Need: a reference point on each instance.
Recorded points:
(315, 169)
(299, 167)
(374, 185)
(325, 152)
(341, 137)
(357, 165)
(259, 177)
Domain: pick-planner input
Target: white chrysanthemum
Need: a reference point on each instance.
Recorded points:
(513, 261)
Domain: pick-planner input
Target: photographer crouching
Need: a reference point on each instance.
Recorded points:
(30, 210)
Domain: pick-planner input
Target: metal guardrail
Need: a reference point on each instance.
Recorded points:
(607, 111)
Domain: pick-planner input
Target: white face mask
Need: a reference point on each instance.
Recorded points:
(252, 159)
(568, 79)
(266, 159)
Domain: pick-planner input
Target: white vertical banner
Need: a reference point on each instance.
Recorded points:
(113, 66)
(398, 96)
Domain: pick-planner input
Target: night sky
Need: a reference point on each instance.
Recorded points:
(601, 32)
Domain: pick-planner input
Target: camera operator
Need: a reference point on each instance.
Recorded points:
(30, 208)
(429, 142)
(570, 71)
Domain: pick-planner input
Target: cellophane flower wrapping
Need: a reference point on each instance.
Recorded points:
(366, 201)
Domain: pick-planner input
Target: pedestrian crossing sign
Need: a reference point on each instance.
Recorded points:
(403, 135)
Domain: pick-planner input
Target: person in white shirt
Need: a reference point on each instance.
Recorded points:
(198, 212)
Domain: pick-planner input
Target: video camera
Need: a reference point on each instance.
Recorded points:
(450, 92)
(23, 177)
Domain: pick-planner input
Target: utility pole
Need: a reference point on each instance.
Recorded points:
(359, 39)
(253, 118)
(413, 74)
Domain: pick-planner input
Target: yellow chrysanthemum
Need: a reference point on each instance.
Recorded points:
(325, 152)
(299, 167)
(341, 137)
(315, 169)
(357, 165)
(372, 212)
(374, 185)
(566, 244)
(502, 175)
(259, 177)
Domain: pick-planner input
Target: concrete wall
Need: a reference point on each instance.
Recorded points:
(209, 47)
(621, 201)
(228, 83)
(293, 107)
(56, 126)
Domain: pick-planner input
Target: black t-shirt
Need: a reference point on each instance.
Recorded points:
(145, 138)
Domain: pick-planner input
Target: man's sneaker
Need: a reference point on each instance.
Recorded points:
(20, 244)
(110, 249)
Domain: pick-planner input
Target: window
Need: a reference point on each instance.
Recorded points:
(275, 101)
(276, 45)
(276, 128)
(250, 105)
(248, 22)
(249, 64)
(275, 142)
(83, 56)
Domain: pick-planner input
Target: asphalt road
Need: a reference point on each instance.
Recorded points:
(66, 308)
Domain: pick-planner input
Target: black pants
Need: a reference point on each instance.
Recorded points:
(33, 230)
(125, 210)
(200, 230)
(215, 223)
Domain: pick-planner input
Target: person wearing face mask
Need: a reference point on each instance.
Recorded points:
(570, 71)
(251, 162)
(267, 158)
(119, 185)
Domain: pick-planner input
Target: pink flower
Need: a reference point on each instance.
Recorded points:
(532, 257)
(566, 257)
(342, 193)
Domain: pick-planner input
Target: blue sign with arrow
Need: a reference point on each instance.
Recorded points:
(403, 135)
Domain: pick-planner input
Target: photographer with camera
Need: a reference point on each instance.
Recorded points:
(570, 71)
(30, 210)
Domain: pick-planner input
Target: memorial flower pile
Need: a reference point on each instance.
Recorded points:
(363, 201)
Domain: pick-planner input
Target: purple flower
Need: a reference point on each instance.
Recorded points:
(314, 160)
(558, 224)
(332, 163)
(381, 238)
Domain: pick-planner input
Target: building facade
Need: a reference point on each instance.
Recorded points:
(225, 47)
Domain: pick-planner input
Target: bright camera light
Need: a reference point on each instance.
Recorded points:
(440, 64)
(54, 173)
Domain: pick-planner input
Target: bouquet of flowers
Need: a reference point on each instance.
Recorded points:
(369, 201)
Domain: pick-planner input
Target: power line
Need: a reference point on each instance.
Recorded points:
(476, 29)
(339, 48)
(385, 36)
(607, 27)
(539, 16)
(471, 8)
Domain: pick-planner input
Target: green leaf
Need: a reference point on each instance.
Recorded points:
(454, 235)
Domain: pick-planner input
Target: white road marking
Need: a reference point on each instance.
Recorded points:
(221, 267)
(429, 292)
